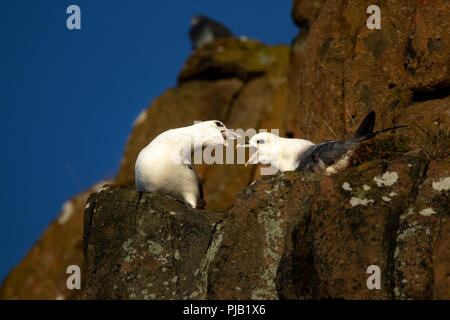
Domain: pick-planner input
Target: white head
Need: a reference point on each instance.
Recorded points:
(214, 132)
(267, 149)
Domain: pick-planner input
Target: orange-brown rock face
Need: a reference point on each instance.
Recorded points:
(304, 13)
(422, 271)
(340, 69)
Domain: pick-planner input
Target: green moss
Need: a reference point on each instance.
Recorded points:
(253, 55)
(234, 57)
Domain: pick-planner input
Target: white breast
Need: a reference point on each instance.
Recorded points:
(162, 167)
(291, 149)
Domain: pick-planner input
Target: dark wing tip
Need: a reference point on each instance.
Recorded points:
(366, 126)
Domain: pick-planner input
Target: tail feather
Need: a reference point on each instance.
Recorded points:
(365, 129)
(366, 126)
(373, 134)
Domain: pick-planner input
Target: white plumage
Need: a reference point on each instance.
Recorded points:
(164, 165)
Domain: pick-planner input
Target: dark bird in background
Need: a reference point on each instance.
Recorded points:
(205, 30)
(327, 157)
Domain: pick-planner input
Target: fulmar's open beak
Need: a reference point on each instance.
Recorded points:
(253, 158)
(229, 134)
(244, 145)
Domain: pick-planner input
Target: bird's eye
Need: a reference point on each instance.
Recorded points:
(260, 141)
(219, 124)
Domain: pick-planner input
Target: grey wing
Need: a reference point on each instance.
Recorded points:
(195, 34)
(220, 30)
(199, 32)
(322, 155)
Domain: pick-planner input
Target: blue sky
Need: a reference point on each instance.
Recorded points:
(68, 98)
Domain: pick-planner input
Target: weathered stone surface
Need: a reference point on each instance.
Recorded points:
(428, 127)
(146, 246)
(340, 69)
(353, 229)
(290, 236)
(427, 51)
(422, 271)
(246, 264)
(233, 58)
(305, 12)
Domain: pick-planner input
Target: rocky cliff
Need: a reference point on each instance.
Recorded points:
(291, 235)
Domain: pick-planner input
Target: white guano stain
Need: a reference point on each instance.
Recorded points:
(387, 199)
(99, 187)
(346, 186)
(140, 118)
(387, 179)
(427, 212)
(103, 188)
(363, 202)
(442, 184)
(67, 211)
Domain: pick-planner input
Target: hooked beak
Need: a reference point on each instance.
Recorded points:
(253, 157)
(244, 145)
(229, 134)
